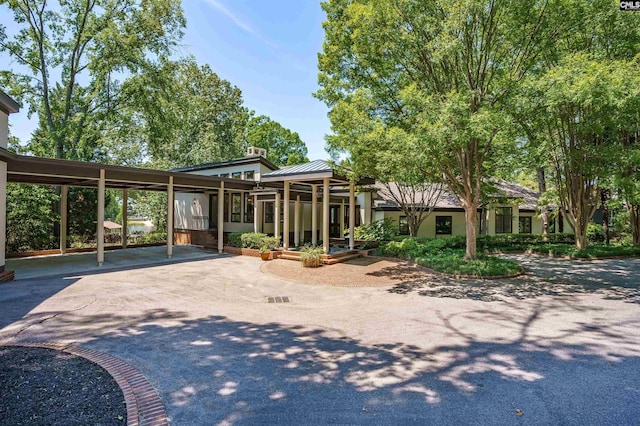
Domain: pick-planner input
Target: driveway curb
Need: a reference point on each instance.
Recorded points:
(144, 406)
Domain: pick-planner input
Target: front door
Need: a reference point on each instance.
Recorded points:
(334, 222)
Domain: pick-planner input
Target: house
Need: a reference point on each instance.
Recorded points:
(511, 209)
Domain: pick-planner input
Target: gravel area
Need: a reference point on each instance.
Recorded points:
(47, 387)
(360, 272)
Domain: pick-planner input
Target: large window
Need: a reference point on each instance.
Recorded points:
(403, 226)
(444, 225)
(249, 175)
(268, 212)
(226, 208)
(504, 222)
(248, 208)
(236, 206)
(524, 224)
(236, 175)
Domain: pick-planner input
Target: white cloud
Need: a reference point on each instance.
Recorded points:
(240, 23)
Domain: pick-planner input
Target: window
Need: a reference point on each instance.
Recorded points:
(346, 216)
(503, 220)
(236, 206)
(213, 211)
(444, 225)
(226, 208)
(249, 175)
(403, 226)
(248, 208)
(236, 175)
(268, 212)
(524, 224)
(224, 175)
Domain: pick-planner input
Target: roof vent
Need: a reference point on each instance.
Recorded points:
(252, 150)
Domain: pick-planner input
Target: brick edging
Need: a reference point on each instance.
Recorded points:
(144, 406)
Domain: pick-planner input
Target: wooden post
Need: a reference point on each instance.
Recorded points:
(221, 217)
(125, 217)
(296, 222)
(325, 215)
(100, 224)
(170, 208)
(314, 215)
(285, 226)
(352, 215)
(64, 211)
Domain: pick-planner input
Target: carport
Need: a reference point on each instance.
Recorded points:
(66, 173)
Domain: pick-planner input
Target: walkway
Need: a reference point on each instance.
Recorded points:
(73, 264)
(204, 335)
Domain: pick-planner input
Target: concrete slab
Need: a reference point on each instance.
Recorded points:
(82, 263)
(217, 353)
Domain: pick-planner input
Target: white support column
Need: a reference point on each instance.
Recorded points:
(276, 216)
(221, 217)
(64, 211)
(100, 224)
(255, 214)
(352, 215)
(285, 226)
(296, 222)
(314, 215)
(170, 208)
(325, 215)
(3, 204)
(125, 218)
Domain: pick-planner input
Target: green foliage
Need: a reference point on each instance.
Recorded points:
(379, 230)
(153, 238)
(235, 239)
(310, 256)
(595, 233)
(445, 255)
(30, 218)
(269, 243)
(257, 241)
(596, 250)
(284, 147)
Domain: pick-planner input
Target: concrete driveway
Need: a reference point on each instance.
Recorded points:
(562, 346)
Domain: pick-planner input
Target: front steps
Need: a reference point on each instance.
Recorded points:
(327, 259)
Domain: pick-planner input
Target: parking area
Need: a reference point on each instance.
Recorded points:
(561, 344)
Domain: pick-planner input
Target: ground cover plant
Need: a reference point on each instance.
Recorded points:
(310, 256)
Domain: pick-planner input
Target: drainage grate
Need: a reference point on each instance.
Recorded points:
(277, 299)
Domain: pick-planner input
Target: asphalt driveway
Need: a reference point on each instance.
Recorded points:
(561, 344)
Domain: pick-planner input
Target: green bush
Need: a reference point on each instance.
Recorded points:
(595, 233)
(379, 230)
(252, 240)
(311, 256)
(153, 238)
(269, 243)
(235, 239)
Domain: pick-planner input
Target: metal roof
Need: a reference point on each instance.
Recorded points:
(232, 162)
(317, 166)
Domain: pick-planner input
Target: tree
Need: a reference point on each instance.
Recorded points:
(188, 114)
(70, 55)
(284, 147)
(437, 71)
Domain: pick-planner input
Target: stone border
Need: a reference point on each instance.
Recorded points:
(144, 406)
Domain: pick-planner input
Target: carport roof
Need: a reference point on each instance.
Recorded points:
(54, 171)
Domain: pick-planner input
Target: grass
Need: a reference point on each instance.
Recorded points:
(592, 250)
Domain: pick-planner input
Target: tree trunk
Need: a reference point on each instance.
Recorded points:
(470, 213)
(581, 238)
(604, 195)
(414, 226)
(544, 214)
(634, 217)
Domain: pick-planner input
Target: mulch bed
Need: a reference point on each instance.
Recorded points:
(49, 387)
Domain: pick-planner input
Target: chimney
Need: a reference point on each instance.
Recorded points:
(252, 150)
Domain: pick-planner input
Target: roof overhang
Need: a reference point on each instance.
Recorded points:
(8, 105)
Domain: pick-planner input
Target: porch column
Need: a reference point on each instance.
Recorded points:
(221, 217)
(64, 211)
(325, 215)
(285, 226)
(3, 203)
(276, 216)
(352, 215)
(170, 208)
(296, 222)
(125, 217)
(314, 215)
(100, 225)
(255, 214)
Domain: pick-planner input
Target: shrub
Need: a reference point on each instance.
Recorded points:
(235, 239)
(379, 230)
(153, 238)
(595, 233)
(311, 256)
(269, 243)
(252, 240)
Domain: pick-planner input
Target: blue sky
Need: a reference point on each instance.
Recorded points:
(268, 49)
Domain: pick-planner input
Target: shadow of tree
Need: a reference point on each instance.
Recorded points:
(613, 279)
(216, 370)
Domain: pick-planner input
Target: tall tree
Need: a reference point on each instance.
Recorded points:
(71, 54)
(284, 147)
(436, 70)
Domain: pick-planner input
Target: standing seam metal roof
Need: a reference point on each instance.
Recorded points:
(317, 166)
